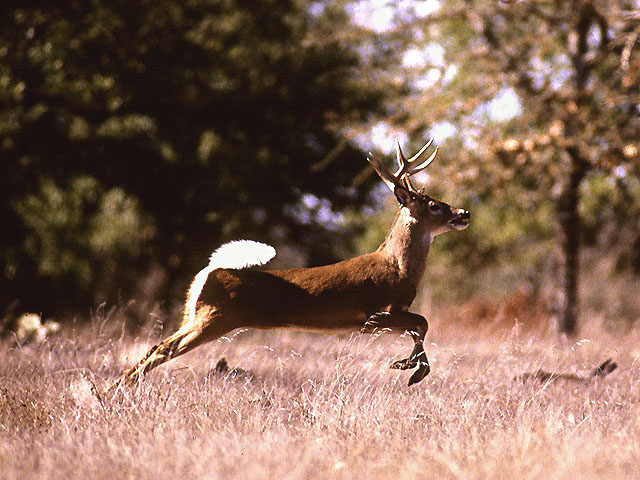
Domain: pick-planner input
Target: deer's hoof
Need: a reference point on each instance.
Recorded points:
(419, 374)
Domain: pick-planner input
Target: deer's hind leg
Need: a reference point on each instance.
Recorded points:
(207, 326)
(417, 326)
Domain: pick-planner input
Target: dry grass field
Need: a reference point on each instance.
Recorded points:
(308, 406)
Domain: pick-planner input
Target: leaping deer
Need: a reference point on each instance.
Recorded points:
(369, 292)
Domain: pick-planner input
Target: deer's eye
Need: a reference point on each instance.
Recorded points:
(434, 207)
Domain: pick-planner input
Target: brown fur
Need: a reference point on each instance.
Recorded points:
(365, 293)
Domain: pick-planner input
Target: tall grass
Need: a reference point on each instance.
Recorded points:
(309, 406)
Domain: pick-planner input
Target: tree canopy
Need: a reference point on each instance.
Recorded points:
(144, 132)
(137, 136)
(542, 99)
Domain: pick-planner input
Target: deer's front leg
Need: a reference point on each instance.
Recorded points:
(416, 325)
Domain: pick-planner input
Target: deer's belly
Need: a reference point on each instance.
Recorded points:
(315, 321)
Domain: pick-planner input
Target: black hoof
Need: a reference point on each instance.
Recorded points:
(419, 374)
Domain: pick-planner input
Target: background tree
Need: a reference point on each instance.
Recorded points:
(542, 100)
(144, 133)
(136, 136)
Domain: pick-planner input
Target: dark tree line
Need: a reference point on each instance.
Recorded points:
(145, 133)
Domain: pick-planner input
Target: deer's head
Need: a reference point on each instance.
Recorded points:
(437, 216)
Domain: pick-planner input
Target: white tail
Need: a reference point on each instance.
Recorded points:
(237, 254)
(241, 254)
(366, 293)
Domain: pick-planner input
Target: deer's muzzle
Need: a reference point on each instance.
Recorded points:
(461, 219)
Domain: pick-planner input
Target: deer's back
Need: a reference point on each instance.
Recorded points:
(344, 293)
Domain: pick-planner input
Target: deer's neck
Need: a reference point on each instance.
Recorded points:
(407, 245)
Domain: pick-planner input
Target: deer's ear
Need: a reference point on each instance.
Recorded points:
(402, 194)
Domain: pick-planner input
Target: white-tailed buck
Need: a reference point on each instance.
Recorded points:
(366, 293)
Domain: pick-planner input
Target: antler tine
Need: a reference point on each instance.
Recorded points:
(406, 168)
(413, 165)
(415, 158)
(387, 177)
(402, 161)
(424, 164)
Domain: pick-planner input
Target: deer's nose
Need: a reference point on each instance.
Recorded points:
(463, 214)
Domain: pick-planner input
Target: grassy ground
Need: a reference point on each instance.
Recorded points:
(320, 407)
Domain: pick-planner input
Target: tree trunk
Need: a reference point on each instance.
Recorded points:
(568, 208)
(570, 230)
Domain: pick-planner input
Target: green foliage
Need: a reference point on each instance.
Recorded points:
(504, 246)
(135, 134)
(142, 133)
(555, 172)
(74, 228)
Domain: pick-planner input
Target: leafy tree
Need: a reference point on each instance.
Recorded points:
(543, 99)
(144, 132)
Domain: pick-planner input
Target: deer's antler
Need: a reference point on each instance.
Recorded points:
(406, 168)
